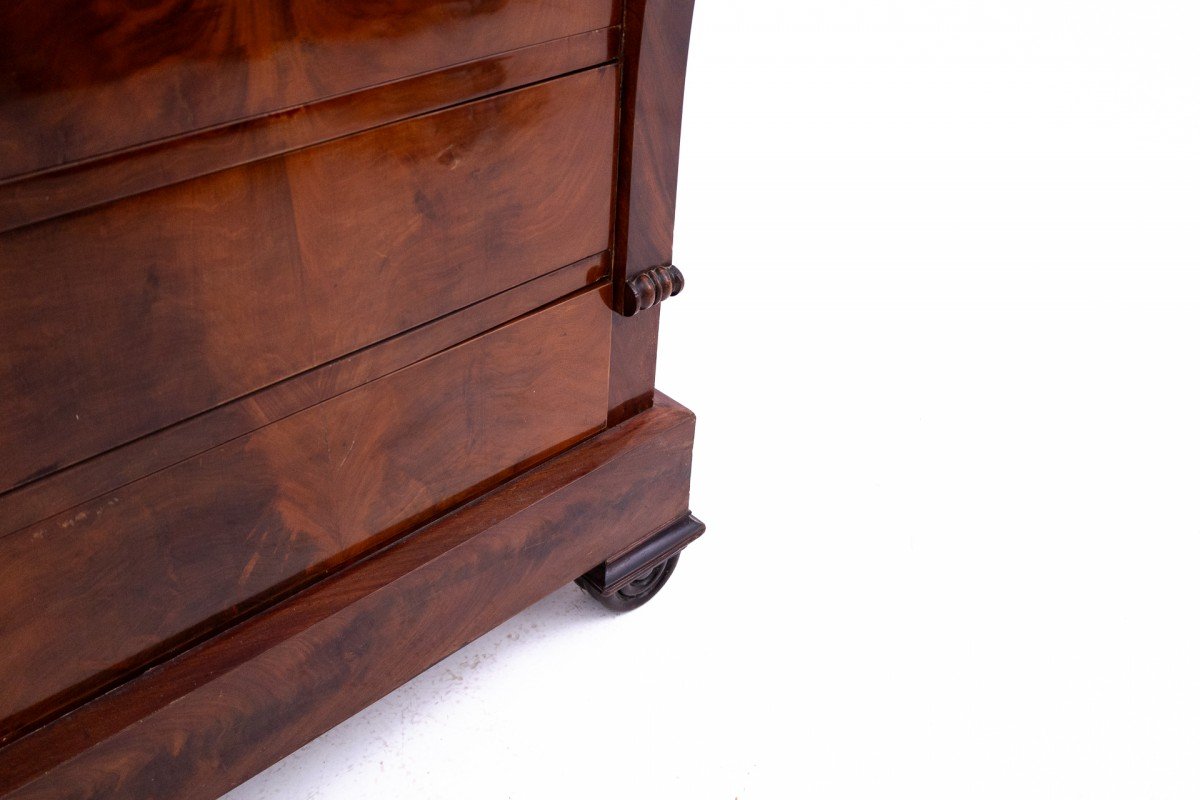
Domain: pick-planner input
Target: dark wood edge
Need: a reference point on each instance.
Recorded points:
(650, 287)
(619, 571)
(653, 68)
(212, 717)
(33, 503)
(44, 195)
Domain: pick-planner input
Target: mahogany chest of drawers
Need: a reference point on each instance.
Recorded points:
(327, 343)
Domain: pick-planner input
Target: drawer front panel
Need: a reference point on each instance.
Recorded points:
(86, 184)
(115, 582)
(80, 79)
(123, 319)
(70, 487)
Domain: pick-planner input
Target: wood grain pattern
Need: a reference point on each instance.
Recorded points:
(296, 396)
(216, 715)
(35, 502)
(121, 320)
(654, 65)
(81, 78)
(48, 194)
(111, 584)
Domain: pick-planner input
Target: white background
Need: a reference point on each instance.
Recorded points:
(942, 332)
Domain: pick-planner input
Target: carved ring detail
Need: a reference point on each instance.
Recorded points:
(647, 289)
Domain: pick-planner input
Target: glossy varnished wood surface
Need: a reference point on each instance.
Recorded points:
(121, 320)
(80, 79)
(654, 65)
(35, 502)
(281, 281)
(52, 193)
(105, 586)
(216, 715)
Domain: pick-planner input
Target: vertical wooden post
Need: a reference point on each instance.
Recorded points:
(654, 63)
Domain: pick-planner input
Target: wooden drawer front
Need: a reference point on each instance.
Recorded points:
(85, 78)
(118, 321)
(116, 581)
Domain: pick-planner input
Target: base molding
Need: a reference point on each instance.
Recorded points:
(219, 713)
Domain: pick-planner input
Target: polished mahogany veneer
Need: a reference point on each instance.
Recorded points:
(84, 184)
(85, 481)
(289, 262)
(203, 538)
(327, 342)
(209, 719)
(84, 79)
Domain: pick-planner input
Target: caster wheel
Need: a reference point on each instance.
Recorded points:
(638, 591)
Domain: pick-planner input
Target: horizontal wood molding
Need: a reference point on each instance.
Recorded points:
(84, 78)
(63, 490)
(167, 559)
(52, 193)
(133, 316)
(214, 716)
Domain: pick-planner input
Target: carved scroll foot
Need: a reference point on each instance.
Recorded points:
(629, 580)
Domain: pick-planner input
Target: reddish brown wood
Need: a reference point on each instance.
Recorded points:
(121, 320)
(34, 502)
(48, 194)
(633, 361)
(108, 585)
(654, 64)
(216, 715)
(80, 78)
(281, 281)
(647, 289)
